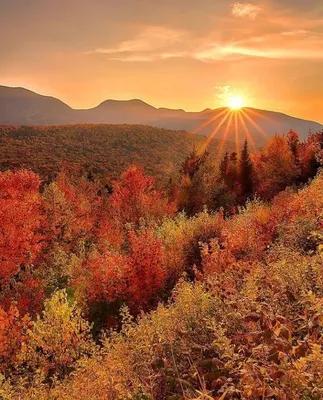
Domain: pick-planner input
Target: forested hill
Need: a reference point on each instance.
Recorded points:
(103, 150)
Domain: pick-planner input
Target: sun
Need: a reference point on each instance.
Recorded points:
(236, 102)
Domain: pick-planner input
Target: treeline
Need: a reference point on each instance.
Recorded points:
(233, 291)
(101, 151)
(285, 161)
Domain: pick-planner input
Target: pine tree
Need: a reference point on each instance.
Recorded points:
(245, 172)
(224, 166)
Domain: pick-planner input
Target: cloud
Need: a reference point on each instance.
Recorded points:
(147, 57)
(245, 10)
(234, 52)
(296, 32)
(223, 92)
(150, 39)
(274, 40)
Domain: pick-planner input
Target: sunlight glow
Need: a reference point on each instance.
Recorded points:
(235, 102)
(234, 125)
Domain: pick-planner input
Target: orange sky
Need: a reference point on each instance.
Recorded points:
(190, 54)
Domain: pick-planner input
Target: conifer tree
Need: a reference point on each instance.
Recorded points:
(245, 172)
(224, 166)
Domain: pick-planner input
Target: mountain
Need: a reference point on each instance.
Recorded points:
(102, 150)
(21, 106)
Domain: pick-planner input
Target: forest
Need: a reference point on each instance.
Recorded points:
(205, 286)
(102, 151)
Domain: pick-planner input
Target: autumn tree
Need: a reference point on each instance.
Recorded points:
(13, 330)
(275, 168)
(70, 209)
(197, 177)
(294, 144)
(57, 338)
(134, 198)
(193, 163)
(311, 155)
(146, 274)
(21, 237)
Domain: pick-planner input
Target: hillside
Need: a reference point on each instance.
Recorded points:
(82, 275)
(23, 107)
(102, 149)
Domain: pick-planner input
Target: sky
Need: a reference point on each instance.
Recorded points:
(189, 54)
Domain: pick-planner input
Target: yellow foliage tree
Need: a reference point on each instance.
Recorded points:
(58, 338)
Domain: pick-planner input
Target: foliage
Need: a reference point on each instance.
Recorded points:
(109, 293)
(101, 151)
(21, 238)
(134, 198)
(57, 339)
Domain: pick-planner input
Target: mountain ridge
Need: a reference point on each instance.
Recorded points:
(20, 106)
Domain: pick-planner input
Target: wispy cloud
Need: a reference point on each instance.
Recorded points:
(276, 40)
(295, 32)
(151, 38)
(245, 10)
(239, 51)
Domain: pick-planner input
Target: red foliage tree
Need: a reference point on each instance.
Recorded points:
(146, 273)
(105, 277)
(134, 197)
(12, 333)
(21, 239)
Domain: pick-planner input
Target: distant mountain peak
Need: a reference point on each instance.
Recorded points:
(131, 102)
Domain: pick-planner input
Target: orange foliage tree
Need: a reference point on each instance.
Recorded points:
(275, 168)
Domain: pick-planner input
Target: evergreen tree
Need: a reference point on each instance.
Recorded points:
(224, 166)
(245, 173)
(232, 173)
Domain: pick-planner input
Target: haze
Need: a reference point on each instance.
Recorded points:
(190, 54)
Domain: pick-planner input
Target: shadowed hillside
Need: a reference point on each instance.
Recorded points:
(99, 149)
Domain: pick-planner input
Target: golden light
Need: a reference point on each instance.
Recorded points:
(235, 102)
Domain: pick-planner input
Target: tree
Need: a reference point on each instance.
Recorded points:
(311, 155)
(134, 198)
(20, 216)
(58, 338)
(245, 173)
(71, 207)
(192, 163)
(275, 168)
(146, 274)
(197, 177)
(21, 238)
(294, 145)
(13, 330)
(224, 166)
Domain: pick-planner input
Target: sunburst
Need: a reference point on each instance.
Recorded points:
(235, 120)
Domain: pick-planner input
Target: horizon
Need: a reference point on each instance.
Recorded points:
(267, 53)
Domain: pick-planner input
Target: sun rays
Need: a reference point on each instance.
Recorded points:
(236, 124)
